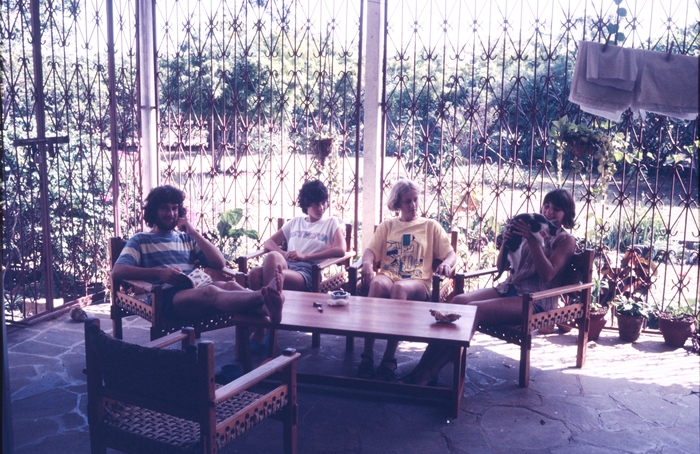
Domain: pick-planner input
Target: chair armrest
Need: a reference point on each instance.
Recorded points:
(253, 377)
(140, 285)
(186, 336)
(242, 261)
(336, 260)
(557, 291)
(223, 274)
(477, 273)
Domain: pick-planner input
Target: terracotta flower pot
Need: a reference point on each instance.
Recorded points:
(675, 332)
(598, 322)
(630, 327)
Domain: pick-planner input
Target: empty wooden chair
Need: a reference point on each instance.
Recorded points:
(146, 399)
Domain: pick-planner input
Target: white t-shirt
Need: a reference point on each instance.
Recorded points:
(310, 237)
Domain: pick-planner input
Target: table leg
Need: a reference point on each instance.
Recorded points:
(243, 348)
(459, 375)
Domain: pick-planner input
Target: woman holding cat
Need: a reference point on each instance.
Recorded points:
(541, 263)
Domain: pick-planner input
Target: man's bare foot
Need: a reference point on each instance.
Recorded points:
(273, 297)
(279, 279)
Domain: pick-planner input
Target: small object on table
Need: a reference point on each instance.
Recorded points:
(338, 298)
(447, 317)
(320, 309)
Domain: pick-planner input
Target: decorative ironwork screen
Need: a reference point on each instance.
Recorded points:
(246, 88)
(69, 88)
(471, 91)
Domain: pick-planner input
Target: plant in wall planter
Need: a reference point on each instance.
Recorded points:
(677, 325)
(584, 143)
(632, 312)
(322, 147)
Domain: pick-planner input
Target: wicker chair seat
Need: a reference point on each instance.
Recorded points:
(157, 432)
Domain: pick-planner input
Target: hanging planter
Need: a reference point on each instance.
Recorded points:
(578, 139)
(322, 147)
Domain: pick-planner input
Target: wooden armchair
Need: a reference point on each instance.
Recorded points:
(576, 292)
(320, 284)
(152, 400)
(134, 297)
(335, 281)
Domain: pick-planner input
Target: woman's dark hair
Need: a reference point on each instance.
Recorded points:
(157, 197)
(313, 191)
(563, 200)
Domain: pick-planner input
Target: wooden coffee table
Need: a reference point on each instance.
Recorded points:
(379, 318)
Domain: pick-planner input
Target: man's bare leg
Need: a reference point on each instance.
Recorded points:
(273, 297)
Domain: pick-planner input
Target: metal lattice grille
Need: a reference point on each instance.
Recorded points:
(472, 89)
(244, 88)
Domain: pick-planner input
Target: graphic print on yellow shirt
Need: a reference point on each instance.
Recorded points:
(406, 250)
(405, 258)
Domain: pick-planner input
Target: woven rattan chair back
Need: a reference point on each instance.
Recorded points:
(147, 399)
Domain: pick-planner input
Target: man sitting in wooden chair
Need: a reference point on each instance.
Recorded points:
(167, 254)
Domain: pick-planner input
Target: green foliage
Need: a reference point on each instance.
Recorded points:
(633, 305)
(678, 313)
(230, 235)
(599, 286)
(228, 222)
(623, 233)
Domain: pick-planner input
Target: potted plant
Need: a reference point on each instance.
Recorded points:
(583, 142)
(599, 309)
(579, 139)
(677, 325)
(632, 312)
(322, 146)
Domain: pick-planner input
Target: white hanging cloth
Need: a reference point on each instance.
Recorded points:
(608, 80)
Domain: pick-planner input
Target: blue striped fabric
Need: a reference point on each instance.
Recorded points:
(160, 250)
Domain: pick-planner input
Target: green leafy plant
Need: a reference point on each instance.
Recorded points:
(633, 306)
(228, 220)
(614, 33)
(678, 313)
(230, 235)
(599, 286)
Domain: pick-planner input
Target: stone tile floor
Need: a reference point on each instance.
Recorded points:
(629, 398)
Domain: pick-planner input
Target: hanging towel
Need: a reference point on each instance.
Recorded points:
(603, 100)
(668, 85)
(613, 66)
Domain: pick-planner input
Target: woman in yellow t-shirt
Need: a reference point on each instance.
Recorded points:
(405, 247)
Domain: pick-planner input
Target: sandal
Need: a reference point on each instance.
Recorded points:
(386, 373)
(366, 368)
